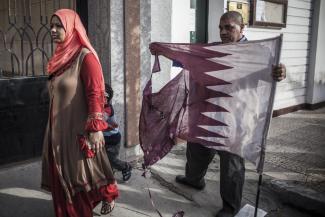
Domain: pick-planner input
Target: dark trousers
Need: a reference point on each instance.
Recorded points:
(232, 173)
(112, 146)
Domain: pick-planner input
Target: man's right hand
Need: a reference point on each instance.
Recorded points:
(279, 72)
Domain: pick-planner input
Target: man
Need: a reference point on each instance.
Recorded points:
(232, 168)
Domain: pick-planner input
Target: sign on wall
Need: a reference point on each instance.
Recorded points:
(242, 7)
(269, 13)
(261, 13)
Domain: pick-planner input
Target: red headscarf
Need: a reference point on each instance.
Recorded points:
(76, 37)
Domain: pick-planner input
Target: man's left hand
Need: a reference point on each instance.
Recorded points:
(279, 72)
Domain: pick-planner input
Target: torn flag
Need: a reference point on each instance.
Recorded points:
(222, 99)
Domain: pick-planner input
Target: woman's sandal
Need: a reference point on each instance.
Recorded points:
(107, 207)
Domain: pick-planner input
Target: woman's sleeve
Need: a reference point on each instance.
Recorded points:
(92, 78)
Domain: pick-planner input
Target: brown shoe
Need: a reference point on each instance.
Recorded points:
(183, 180)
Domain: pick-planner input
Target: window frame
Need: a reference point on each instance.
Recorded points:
(262, 24)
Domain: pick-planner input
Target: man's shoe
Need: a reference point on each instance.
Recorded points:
(225, 213)
(183, 180)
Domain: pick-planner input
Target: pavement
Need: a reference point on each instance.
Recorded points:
(294, 169)
(293, 179)
(295, 159)
(21, 196)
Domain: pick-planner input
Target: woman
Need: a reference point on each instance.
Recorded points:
(75, 166)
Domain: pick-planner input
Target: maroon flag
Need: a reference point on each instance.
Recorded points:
(222, 99)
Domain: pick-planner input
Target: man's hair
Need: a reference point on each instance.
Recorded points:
(233, 15)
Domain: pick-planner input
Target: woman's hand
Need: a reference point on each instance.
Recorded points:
(96, 140)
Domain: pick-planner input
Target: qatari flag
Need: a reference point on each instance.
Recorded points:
(222, 99)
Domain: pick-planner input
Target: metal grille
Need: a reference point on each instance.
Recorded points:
(25, 41)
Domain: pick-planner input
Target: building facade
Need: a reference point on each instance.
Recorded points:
(121, 31)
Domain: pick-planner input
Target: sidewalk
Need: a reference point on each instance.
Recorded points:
(295, 159)
(294, 173)
(294, 170)
(21, 196)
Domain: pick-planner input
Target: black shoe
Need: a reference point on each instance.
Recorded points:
(126, 173)
(183, 180)
(225, 213)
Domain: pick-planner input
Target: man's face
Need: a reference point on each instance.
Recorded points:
(230, 30)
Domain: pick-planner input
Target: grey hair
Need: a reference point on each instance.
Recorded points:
(233, 15)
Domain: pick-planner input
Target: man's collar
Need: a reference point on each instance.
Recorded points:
(243, 38)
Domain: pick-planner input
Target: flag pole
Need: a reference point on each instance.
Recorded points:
(267, 126)
(258, 193)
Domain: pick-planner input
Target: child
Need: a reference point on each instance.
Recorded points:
(113, 138)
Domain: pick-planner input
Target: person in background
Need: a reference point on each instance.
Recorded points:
(112, 137)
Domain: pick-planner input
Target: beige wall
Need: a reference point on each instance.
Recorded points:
(132, 70)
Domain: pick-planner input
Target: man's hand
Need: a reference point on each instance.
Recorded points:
(279, 72)
(96, 140)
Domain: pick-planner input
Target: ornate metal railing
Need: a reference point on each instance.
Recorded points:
(25, 41)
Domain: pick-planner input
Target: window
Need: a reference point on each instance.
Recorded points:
(193, 4)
